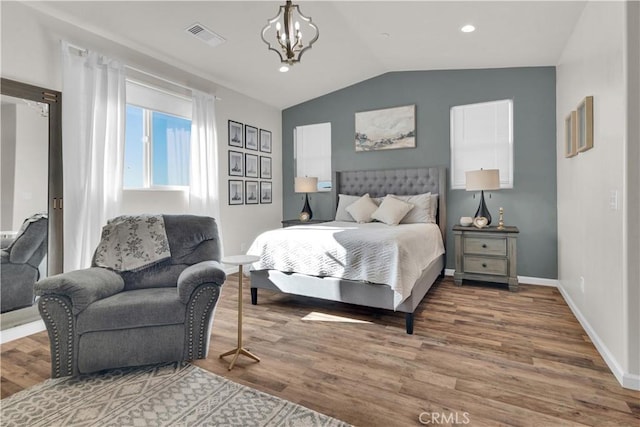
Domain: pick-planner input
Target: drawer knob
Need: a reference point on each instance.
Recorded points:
(484, 245)
(484, 265)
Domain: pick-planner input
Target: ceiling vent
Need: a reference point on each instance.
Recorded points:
(201, 32)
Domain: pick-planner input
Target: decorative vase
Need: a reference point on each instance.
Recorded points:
(466, 221)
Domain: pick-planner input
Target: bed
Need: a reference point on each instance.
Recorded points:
(378, 183)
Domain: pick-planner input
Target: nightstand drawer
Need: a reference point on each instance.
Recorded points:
(485, 246)
(481, 265)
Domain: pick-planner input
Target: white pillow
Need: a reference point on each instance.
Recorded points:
(362, 209)
(345, 200)
(392, 210)
(421, 211)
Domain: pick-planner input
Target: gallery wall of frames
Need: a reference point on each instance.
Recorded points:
(249, 165)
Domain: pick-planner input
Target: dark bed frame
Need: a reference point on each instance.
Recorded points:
(377, 183)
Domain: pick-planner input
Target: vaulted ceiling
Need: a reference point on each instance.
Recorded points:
(358, 39)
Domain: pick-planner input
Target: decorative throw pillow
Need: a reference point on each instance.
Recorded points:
(345, 200)
(392, 210)
(362, 209)
(421, 211)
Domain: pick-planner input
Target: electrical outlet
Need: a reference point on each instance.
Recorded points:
(581, 284)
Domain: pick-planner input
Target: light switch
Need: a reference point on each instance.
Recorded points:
(613, 200)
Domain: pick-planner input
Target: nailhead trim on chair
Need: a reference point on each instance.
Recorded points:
(55, 334)
(203, 323)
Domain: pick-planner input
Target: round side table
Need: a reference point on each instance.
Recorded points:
(240, 261)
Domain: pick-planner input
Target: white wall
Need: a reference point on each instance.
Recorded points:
(31, 54)
(24, 162)
(633, 185)
(591, 232)
(32, 164)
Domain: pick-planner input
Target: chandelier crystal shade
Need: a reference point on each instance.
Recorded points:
(291, 33)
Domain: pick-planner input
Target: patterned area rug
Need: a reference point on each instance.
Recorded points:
(177, 395)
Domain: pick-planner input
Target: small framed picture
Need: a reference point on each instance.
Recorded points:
(265, 192)
(251, 165)
(265, 167)
(236, 163)
(236, 195)
(584, 125)
(570, 148)
(265, 141)
(235, 134)
(251, 192)
(250, 138)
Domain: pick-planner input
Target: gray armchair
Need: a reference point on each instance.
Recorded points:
(20, 258)
(101, 319)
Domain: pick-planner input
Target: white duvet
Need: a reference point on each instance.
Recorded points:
(373, 252)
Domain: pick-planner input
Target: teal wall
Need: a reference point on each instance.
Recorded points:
(530, 205)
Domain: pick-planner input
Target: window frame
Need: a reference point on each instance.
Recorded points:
(506, 176)
(147, 152)
(299, 154)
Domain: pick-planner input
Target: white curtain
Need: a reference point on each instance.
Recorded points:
(204, 194)
(93, 114)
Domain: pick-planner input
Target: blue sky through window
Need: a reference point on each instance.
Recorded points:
(170, 140)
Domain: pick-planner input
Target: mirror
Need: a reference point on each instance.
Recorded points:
(30, 189)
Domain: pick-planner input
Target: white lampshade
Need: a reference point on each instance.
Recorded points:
(484, 179)
(305, 184)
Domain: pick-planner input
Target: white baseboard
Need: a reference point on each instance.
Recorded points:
(21, 331)
(540, 281)
(522, 279)
(627, 380)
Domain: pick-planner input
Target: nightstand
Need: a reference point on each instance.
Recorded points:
(486, 254)
(292, 222)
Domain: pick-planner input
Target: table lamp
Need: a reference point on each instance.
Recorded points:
(480, 180)
(305, 184)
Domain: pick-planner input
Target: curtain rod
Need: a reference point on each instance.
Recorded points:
(138, 70)
(84, 51)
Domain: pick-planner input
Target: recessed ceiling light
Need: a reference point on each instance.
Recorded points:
(284, 68)
(468, 28)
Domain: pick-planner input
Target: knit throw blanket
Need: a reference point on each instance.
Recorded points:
(131, 243)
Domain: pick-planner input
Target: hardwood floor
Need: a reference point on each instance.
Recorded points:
(478, 353)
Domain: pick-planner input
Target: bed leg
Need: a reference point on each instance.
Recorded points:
(409, 322)
(254, 296)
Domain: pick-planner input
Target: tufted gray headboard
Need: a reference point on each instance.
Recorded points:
(402, 182)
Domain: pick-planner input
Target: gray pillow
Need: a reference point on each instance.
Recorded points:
(344, 201)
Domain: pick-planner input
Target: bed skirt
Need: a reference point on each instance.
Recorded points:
(348, 291)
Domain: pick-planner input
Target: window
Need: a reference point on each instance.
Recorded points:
(157, 138)
(482, 138)
(312, 152)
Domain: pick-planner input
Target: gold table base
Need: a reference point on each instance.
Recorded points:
(239, 349)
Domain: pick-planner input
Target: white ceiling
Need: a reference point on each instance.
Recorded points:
(423, 35)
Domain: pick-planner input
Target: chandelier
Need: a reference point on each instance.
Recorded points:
(284, 30)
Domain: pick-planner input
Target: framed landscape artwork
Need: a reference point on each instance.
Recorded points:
(236, 195)
(250, 138)
(265, 141)
(236, 163)
(265, 192)
(265, 167)
(235, 134)
(386, 129)
(251, 165)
